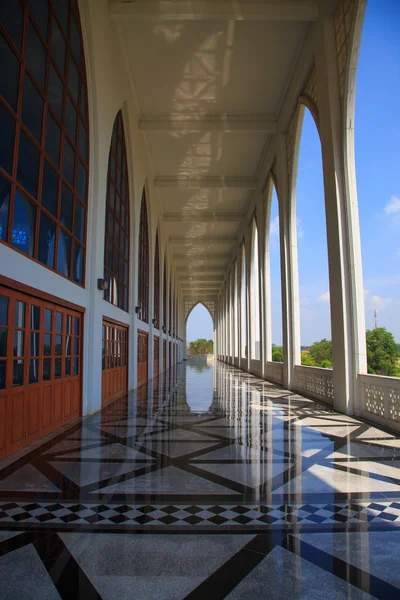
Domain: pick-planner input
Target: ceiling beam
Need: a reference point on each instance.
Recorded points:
(204, 256)
(191, 270)
(202, 217)
(197, 278)
(195, 10)
(189, 241)
(197, 123)
(196, 183)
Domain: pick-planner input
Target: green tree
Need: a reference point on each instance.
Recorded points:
(321, 353)
(277, 355)
(201, 346)
(307, 359)
(381, 352)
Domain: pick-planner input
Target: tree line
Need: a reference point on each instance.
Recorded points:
(201, 346)
(383, 353)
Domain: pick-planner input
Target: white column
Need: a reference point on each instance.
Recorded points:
(289, 267)
(343, 254)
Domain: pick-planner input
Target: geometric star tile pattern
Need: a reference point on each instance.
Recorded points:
(233, 484)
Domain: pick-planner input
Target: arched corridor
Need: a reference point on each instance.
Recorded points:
(188, 344)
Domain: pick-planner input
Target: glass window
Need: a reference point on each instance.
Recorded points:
(81, 181)
(59, 321)
(78, 263)
(114, 243)
(61, 8)
(12, 19)
(32, 109)
(10, 74)
(36, 56)
(28, 165)
(5, 189)
(83, 142)
(35, 317)
(46, 369)
(64, 254)
(58, 46)
(35, 339)
(33, 370)
(7, 128)
(70, 120)
(47, 241)
(3, 310)
(53, 139)
(39, 9)
(18, 348)
(55, 92)
(67, 206)
(18, 372)
(24, 223)
(50, 189)
(73, 79)
(48, 319)
(79, 221)
(52, 77)
(3, 342)
(69, 163)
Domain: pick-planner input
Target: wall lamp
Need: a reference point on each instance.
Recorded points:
(102, 285)
(153, 320)
(138, 310)
(164, 330)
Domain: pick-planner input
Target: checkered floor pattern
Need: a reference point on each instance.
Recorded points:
(197, 515)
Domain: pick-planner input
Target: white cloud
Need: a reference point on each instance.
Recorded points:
(392, 211)
(274, 227)
(383, 303)
(300, 230)
(324, 297)
(393, 206)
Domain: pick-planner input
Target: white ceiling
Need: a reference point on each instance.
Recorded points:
(209, 92)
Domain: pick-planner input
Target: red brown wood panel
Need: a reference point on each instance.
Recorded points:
(114, 361)
(40, 342)
(156, 355)
(143, 357)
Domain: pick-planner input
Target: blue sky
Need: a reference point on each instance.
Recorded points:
(377, 146)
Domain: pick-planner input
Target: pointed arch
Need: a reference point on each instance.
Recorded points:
(165, 294)
(273, 274)
(312, 247)
(243, 316)
(191, 305)
(254, 294)
(116, 240)
(143, 271)
(156, 295)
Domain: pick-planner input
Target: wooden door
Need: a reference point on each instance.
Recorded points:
(40, 380)
(143, 357)
(114, 361)
(156, 368)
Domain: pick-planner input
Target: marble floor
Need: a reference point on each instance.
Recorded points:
(210, 483)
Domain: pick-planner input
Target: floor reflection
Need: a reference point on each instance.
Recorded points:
(291, 487)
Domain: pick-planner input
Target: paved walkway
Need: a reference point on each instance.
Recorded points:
(242, 489)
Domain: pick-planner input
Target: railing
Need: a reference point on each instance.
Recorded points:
(314, 382)
(274, 371)
(380, 400)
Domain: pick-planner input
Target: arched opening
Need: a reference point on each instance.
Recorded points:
(378, 188)
(199, 331)
(143, 271)
(156, 295)
(116, 239)
(236, 309)
(315, 320)
(273, 268)
(255, 295)
(243, 316)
